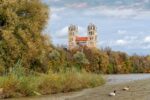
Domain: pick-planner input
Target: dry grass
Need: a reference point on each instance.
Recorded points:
(17, 86)
(68, 81)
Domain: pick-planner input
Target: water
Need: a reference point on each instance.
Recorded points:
(121, 78)
(110, 79)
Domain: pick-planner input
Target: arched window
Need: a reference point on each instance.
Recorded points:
(90, 33)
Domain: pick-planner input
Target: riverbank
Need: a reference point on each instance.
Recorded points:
(21, 85)
(139, 90)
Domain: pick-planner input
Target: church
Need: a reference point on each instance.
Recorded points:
(76, 41)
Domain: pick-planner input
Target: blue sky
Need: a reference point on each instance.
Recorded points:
(123, 25)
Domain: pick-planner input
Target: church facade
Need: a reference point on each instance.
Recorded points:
(75, 41)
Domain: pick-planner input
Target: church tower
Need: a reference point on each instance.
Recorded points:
(72, 30)
(92, 36)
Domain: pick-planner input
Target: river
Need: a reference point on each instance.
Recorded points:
(121, 78)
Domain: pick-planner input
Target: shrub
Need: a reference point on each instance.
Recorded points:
(68, 81)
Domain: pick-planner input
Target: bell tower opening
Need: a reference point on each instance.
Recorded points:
(92, 35)
(72, 30)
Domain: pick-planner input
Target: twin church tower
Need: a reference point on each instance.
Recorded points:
(76, 41)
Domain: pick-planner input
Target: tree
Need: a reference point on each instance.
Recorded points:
(98, 60)
(55, 59)
(80, 59)
(21, 38)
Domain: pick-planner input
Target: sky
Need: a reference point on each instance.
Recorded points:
(123, 25)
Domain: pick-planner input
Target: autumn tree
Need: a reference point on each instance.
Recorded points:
(21, 38)
(98, 60)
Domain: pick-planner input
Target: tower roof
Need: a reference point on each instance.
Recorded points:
(81, 38)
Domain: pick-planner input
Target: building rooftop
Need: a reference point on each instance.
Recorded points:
(81, 38)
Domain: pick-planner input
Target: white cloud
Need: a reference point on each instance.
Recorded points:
(52, 0)
(112, 11)
(55, 17)
(131, 38)
(121, 42)
(129, 42)
(113, 43)
(143, 14)
(58, 9)
(146, 47)
(55, 13)
(146, 1)
(122, 32)
(147, 39)
(56, 0)
(62, 33)
(118, 12)
(78, 5)
(122, 13)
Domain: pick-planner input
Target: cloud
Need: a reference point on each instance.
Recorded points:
(147, 39)
(78, 5)
(131, 38)
(55, 11)
(63, 33)
(143, 14)
(121, 42)
(135, 10)
(146, 1)
(48, 1)
(128, 40)
(146, 47)
(122, 12)
(121, 32)
(58, 9)
(55, 17)
(56, 0)
(117, 12)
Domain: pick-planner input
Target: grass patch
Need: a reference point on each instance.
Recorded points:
(27, 85)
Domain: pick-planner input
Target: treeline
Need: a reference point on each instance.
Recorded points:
(99, 61)
(22, 42)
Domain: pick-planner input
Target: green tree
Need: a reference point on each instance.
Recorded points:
(55, 59)
(80, 59)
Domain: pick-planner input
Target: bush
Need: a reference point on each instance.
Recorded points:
(17, 83)
(14, 86)
(69, 81)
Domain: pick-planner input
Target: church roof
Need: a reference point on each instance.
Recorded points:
(81, 38)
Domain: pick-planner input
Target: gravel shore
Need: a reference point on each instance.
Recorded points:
(139, 90)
